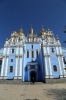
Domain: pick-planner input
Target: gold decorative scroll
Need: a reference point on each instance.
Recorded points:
(16, 56)
(48, 55)
(7, 56)
(20, 56)
(57, 54)
(44, 55)
(3, 56)
(61, 54)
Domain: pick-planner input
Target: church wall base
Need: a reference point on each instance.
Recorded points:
(60, 80)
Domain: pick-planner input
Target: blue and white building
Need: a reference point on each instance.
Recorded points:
(24, 57)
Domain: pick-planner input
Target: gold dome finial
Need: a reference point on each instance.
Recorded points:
(42, 32)
(21, 32)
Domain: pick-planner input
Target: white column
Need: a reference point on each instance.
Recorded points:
(49, 62)
(63, 67)
(48, 50)
(15, 76)
(46, 69)
(60, 50)
(59, 62)
(57, 51)
(3, 61)
(6, 69)
(2, 69)
(60, 67)
(45, 60)
(20, 71)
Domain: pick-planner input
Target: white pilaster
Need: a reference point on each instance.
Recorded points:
(60, 66)
(51, 76)
(45, 60)
(60, 50)
(57, 52)
(20, 71)
(15, 76)
(49, 62)
(2, 69)
(3, 61)
(46, 69)
(63, 67)
(6, 69)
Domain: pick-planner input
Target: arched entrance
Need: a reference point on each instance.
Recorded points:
(32, 74)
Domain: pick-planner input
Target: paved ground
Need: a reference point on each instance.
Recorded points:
(38, 91)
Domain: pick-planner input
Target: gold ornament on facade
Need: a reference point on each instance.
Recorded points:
(61, 54)
(3, 56)
(57, 54)
(16, 37)
(20, 56)
(16, 56)
(48, 55)
(44, 55)
(21, 32)
(7, 56)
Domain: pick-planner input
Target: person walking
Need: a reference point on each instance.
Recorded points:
(33, 80)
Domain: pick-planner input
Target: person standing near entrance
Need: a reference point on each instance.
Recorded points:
(33, 80)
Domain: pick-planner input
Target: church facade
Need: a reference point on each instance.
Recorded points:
(24, 57)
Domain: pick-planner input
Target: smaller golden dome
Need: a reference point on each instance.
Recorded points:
(31, 31)
(21, 32)
(42, 32)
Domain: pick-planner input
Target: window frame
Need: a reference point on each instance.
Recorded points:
(36, 54)
(11, 60)
(12, 50)
(55, 68)
(27, 54)
(11, 69)
(64, 60)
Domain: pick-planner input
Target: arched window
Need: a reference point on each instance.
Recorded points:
(64, 60)
(12, 50)
(11, 68)
(55, 68)
(32, 46)
(27, 54)
(37, 53)
(32, 54)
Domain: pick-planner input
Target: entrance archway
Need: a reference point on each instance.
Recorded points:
(33, 74)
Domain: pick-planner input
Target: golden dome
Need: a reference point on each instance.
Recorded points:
(42, 32)
(31, 31)
(21, 32)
